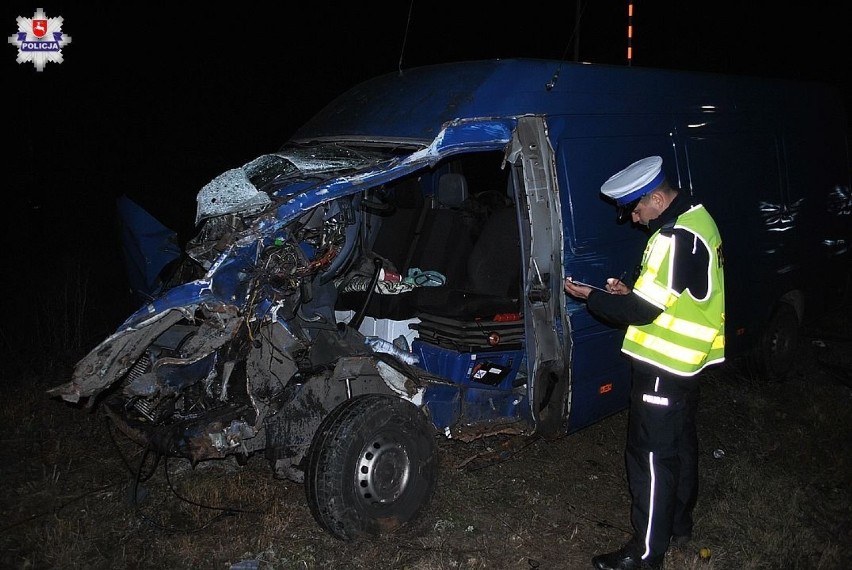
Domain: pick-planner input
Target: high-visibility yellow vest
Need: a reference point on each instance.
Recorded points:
(690, 333)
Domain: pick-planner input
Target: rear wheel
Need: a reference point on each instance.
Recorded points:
(371, 468)
(777, 349)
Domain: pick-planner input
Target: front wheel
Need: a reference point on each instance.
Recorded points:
(371, 468)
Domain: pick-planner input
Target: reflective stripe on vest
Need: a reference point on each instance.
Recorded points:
(646, 285)
(687, 328)
(665, 347)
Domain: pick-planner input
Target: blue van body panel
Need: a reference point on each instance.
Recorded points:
(413, 104)
(416, 102)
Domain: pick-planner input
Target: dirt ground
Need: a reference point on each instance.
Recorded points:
(774, 467)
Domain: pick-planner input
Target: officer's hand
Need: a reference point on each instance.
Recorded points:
(617, 286)
(578, 291)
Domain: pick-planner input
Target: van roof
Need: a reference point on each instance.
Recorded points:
(412, 105)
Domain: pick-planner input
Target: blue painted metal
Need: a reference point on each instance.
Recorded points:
(414, 104)
(148, 247)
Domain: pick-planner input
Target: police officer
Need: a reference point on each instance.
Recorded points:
(675, 315)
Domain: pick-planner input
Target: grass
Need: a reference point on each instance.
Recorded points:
(779, 498)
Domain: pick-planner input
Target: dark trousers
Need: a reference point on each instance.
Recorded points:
(662, 458)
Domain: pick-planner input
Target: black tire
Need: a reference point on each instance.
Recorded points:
(776, 352)
(371, 468)
(839, 290)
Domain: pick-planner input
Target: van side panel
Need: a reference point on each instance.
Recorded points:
(736, 175)
(589, 151)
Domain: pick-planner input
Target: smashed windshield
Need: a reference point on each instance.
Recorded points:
(247, 189)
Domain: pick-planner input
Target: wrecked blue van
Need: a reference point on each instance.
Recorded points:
(393, 274)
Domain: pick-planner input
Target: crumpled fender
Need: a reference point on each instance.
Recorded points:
(113, 357)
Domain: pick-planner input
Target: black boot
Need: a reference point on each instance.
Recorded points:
(625, 558)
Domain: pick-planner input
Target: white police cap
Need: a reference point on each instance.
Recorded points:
(634, 181)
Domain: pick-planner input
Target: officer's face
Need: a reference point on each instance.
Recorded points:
(648, 208)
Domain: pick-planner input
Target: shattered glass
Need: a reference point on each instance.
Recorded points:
(233, 191)
(243, 190)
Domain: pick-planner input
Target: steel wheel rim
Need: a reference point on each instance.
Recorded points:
(383, 470)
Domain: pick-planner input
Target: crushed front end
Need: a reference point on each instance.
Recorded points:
(246, 331)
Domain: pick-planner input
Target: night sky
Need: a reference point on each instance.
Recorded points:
(153, 101)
